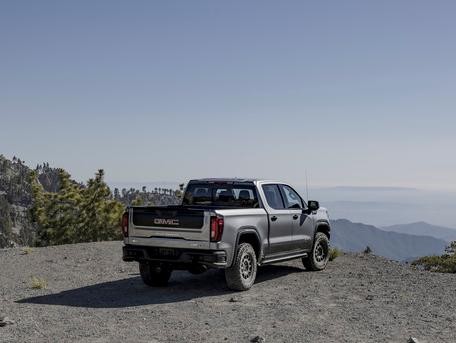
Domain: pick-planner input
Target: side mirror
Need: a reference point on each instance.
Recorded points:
(313, 205)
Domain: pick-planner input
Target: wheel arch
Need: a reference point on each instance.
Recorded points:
(324, 227)
(249, 234)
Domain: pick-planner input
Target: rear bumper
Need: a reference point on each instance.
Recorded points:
(177, 256)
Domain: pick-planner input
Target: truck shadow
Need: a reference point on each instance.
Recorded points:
(132, 292)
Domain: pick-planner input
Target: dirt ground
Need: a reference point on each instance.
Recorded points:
(92, 295)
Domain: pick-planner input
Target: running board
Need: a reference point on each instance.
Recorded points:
(283, 258)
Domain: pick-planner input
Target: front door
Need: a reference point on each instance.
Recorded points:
(280, 221)
(303, 223)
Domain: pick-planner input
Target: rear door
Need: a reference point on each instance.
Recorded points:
(280, 221)
(170, 222)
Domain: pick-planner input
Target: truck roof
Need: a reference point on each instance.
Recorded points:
(230, 180)
(224, 179)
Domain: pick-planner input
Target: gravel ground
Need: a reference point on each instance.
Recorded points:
(92, 295)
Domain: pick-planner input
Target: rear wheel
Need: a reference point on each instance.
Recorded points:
(154, 274)
(319, 256)
(242, 273)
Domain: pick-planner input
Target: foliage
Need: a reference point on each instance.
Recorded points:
(38, 283)
(451, 249)
(445, 263)
(334, 253)
(75, 213)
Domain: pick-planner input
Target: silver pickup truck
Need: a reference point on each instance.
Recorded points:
(234, 224)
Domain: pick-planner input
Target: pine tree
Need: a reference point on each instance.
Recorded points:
(76, 213)
(101, 213)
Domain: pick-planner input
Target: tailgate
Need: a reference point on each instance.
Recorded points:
(179, 223)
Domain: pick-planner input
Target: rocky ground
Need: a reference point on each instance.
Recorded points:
(91, 295)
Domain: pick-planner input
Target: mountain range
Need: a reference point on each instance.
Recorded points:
(424, 229)
(355, 237)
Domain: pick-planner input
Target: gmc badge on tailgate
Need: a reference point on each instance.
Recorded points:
(162, 221)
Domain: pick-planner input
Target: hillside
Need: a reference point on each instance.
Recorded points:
(424, 229)
(16, 199)
(354, 237)
(93, 296)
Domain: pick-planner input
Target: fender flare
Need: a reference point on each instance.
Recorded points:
(249, 229)
(322, 222)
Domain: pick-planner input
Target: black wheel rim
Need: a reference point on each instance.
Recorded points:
(320, 252)
(246, 266)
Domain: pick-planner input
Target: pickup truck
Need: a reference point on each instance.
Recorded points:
(232, 224)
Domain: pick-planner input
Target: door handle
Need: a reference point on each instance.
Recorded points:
(295, 217)
(273, 218)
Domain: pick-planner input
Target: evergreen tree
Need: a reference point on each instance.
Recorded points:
(101, 213)
(75, 213)
(116, 193)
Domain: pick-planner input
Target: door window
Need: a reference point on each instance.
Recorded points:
(273, 197)
(291, 198)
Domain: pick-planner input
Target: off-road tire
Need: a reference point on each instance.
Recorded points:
(319, 256)
(242, 273)
(155, 275)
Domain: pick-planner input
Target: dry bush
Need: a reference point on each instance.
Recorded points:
(26, 251)
(334, 253)
(38, 283)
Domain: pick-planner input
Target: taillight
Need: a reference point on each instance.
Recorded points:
(125, 224)
(216, 229)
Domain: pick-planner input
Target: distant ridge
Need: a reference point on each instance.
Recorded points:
(426, 229)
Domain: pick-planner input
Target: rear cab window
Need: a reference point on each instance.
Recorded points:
(221, 195)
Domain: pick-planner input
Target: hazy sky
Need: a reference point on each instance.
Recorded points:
(357, 92)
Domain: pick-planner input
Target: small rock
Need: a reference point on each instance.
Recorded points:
(233, 300)
(370, 297)
(258, 339)
(412, 340)
(5, 321)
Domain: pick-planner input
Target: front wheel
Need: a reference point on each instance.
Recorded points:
(319, 256)
(155, 275)
(242, 273)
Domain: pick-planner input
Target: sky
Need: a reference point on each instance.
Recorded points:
(357, 93)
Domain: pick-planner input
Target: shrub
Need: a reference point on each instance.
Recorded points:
(334, 253)
(442, 264)
(38, 283)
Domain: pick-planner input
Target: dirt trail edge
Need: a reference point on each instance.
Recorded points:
(91, 295)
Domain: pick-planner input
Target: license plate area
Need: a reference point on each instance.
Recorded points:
(165, 253)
